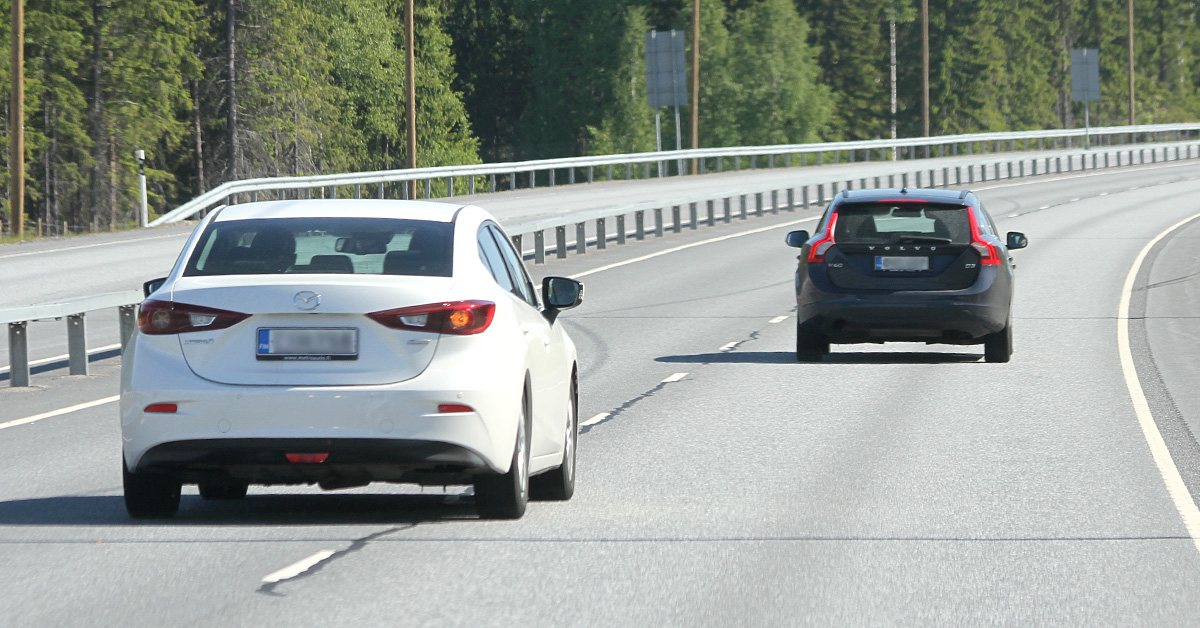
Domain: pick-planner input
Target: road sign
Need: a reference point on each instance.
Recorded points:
(666, 69)
(1085, 75)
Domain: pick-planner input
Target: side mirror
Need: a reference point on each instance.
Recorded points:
(797, 238)
(560, 293)
(152, 286)
(1017, 240)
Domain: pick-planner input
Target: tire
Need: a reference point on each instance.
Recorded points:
(150, 495)
(810, 345)
(505, 496)
(228, 489)
(559, 484)
(997, 347)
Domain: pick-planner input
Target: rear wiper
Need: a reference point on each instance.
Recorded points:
(918, 239)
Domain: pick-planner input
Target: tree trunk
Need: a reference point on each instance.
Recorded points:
(198, 138)
(95, 116)
(112, 184)
(231, 87)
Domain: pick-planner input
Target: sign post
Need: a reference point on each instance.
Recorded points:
(1085, 84)
(666, 81)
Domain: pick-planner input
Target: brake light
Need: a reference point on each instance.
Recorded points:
(166, 317)
(453, 408)
(461, 318)
(816, 253)
(306, 458)
(165, 408)
(989, 255)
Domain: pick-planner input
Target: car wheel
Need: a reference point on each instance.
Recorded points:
(810, 345)
(228, 489)
(559, 484)
(504, 496)
(997, 347)
(150, 495)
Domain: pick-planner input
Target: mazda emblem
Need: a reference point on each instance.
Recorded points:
(307, 300)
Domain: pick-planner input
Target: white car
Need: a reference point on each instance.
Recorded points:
(343, 342)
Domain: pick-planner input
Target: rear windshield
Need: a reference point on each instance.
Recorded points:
(898, 223)
(361, 246)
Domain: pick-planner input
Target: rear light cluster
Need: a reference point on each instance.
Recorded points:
(461, 318)
(989, 255)
(166, 317)
(816, 252)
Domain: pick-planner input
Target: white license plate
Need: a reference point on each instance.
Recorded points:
(884, 262)
(307, 343)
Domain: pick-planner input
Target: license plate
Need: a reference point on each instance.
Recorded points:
(884, 262)
(307, 343)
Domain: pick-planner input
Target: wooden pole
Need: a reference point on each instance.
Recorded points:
(695, 81)
(410, 107)
(1131, 109)
(16, 195)
(925, 67)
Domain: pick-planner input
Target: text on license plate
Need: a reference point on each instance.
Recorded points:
(307, 344)
(912, 263)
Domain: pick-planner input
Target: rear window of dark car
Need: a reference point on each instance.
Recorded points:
(891, 223)
(361, 246)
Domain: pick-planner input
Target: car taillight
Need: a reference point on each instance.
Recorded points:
(989, 255)
(166, 317)
(457, 317)
(816, 253)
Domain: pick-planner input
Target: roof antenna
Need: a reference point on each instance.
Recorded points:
(904, 190)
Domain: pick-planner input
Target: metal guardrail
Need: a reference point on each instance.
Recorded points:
(723, 206)
(659, 163)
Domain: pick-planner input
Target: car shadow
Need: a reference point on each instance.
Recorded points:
(273, 510)
(789, 357)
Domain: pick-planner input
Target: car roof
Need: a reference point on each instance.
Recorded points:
(341, 208)
(953, 197)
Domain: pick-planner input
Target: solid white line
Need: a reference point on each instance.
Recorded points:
(61, 411)
(594, 420)
(674, 378)
(90, 246)
(1158, 447)
(688, 246)
(63, 357)
(295, 569)
(728, 346)
(778, 319)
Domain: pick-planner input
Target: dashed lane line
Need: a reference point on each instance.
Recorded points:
(777, 319)
(676, 377)
(297, 568)
(181, 235)
(594, 420)
(59, 412)
(728, 346)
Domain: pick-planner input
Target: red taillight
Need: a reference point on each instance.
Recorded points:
(450, 408)
(307, 458)
(816, 252)
(458, 317)
(166, 408)
(989, 255)
(166, 317)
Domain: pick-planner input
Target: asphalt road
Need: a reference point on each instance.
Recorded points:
(720, 482)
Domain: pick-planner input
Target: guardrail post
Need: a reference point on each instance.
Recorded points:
(621, 229)
(742, 204)
(787, 160)
(449, 186)
(580, 238)
(571, 176)
(904, 179)
(610, 177)
(658, 222)
(77, 344)
(804, 196)
(771, 161)
(516, 242)
(675, 226)
(849, 184)
(692, 216)
(428, 188)
(18, 354)
(758, 204)
(552, 170)
(728, 208)
(791, 199)
(591, 174)
(891, 181)
(821, 194)
(560, 242)
(946, 176)
(512, 181)
(601, 234)
(127, 315)
(471, 184)
(917, 177)
(539, 247)
(711, 213)
(639, 224)
(646, 170)
(958, 175)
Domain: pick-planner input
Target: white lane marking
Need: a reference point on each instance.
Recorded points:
(688, 246)
(728, 346)
(1102, 194)
(64, 356)
(1158, 447)
(60, 411)
(1074, 200)
(297, 568)
(1044, 207)
(1036, 181)
(674, 378)
(91, 246)
(778, 319)
(594, 420)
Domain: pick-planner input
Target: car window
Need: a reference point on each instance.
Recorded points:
(520, 277)
(372, 246)
(884, 223)
(494, 260)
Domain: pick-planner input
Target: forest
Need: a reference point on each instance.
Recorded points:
(218, 90)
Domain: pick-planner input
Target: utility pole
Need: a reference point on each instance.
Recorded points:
(695, 82)
(16, 195)
(1131, 110)
(410, 107)
(925, 67)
